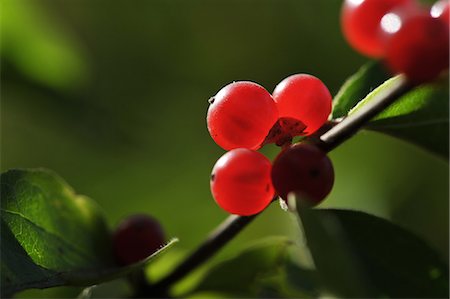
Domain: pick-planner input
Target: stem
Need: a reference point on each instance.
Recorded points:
(328, 141)
(226, 231)
(351, 124)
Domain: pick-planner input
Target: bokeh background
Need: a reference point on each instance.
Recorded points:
(112, 95)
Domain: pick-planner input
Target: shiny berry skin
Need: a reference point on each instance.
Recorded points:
(419, 47)
(305, 170)
(241, 115)
(360, 21)
(136, 238)
(441, 10)
(304, 98)
(240, 182)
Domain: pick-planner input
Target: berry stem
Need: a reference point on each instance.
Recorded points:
(226, 231)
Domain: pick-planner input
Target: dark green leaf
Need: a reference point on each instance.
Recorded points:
(18, 271)
(336, 262)
(369, 77)
(51, 236)
(304, 280)
(360, 255)
(242, 274)
(420, 116)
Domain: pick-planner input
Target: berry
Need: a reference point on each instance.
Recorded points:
(240, 182)
(360, 21)
(241, 115)
(417, 46)
(441, 10)
(304, 98)
(136, 238)
(305, 170)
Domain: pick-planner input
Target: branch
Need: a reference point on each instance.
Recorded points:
(351, 124)
(234, 224)
(213, 243)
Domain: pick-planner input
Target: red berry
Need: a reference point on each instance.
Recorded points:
(241, 115)
(305, 170)
(418, 45)
(240, 182)
(136, 238)
(441, 10)
(360, 21)
(304, 98)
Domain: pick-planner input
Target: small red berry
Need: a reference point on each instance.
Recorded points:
(304, 98)
(241, 115)
(305, 170)
(418, 45)
(441, 10)
(136, 238)
(240, 182)
(360, 21)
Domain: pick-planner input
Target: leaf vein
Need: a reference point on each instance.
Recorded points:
(75, 249)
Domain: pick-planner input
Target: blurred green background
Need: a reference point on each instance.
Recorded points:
(112, 95)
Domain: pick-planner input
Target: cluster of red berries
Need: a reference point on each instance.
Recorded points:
(242, 117)
(412, 39)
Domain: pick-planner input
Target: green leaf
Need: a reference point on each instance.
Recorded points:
(304, 280)
(86, 293)
(420, 116)
(360, 255)
(243, 274)
(51, 236)
(18, 271)
(335, 260)
(357, 87)
(87, 277)
(40, 47)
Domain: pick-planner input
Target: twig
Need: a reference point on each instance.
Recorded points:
(351, 124)
(213, 243)
(234, 224)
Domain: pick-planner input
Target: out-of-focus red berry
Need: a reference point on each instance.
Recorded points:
(360, 21)
(136, 238)
(417, 45)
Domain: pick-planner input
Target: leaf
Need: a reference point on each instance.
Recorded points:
(420, 116)
(86, 277)
(18, 271)
(304, 280)
(360, 255)
(335, 261)
(242, 274)
(357, 87)
(41, 48)
(86, 293)
(51, 236)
